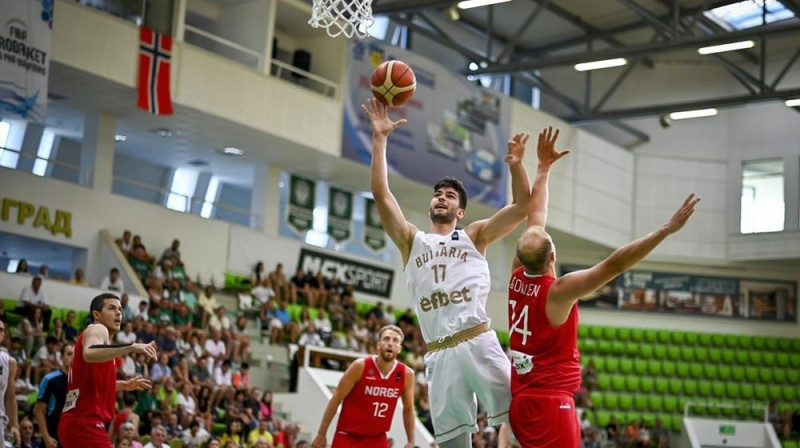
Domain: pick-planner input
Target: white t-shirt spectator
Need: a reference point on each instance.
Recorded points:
(29, 295)
(263, 294)
(43, 354)
(126, 338)
(108, 285)
(310, 339)
(128, 367)
(194, 441)
(187, 403)
(223, 378)
(216, 323)
(215, 349)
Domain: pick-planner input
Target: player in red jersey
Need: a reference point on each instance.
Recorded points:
(543, 316)
(369, 391)
(92, 387)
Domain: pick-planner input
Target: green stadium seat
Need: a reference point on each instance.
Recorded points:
(755, 357)
(796, 345)
(646, 351)
(775, 392)
(603, 382)
(617, 347)
(731, 341)
(604, 347)
(745, 341)
(625, 365)
(595, 332)
(670, 403)
(791, 444)
(710, 371)
(718, 389)
(632, 349)
(612, 365)
(690, 387)
(649, 418)
(792, 376)
(785, 344)
(714, 355)
(624, 334)
(703, 388)
(718, 340)
(583, 331)
(704, 339)
(742, 357)
(668, 368)
(677, 337)
(646, 384)
(761, 392)
(682, 369)
(701, 353)
(768, 358)
(782, 359)
(676, 422)
(610, 333)
(660, 351)
(675, 386)
(617, 382)
(653, 367)
(759, 343)
(641, 402)
(650, 335)
(602, 418)
(696, 370)
(587, 346)
(663, 336)
(779, 375)
(771, 343)
(691, 338)
(765, 374)
(732, 389)
(751, 374)
(673, 352)
(728, 356)
(687, 353)
(599, 399)
(637, 335)
(794, 360)
(599, 363)
(747, 391)
(789, 393)
(736, 373)
(661, 385)
(611, 400)
(632, 383)
(625, 402)
(640, 366)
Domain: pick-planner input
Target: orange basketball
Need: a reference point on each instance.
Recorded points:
(393, 83)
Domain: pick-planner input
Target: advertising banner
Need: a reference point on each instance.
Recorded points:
(300, 213)
(365, 278)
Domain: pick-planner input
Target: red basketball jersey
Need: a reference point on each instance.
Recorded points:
(543, 357)
(92, 388)
(369, 407)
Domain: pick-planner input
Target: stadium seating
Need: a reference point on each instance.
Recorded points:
(652, 373)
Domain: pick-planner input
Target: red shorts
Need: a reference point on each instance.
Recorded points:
(545, 420)
(345, 440)
(83, 433)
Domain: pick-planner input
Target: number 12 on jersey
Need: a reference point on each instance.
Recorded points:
(523, 319)
(380, 409)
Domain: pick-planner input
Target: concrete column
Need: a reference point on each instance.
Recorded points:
(200, 192)
(97, 157)
(791, 192)
(30, 146)
(259, 202)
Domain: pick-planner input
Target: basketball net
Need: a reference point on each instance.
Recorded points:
(348, 17)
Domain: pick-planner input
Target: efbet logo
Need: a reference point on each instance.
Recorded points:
(441, 299)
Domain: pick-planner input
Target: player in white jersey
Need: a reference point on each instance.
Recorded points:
(448, 279)
(8, 405)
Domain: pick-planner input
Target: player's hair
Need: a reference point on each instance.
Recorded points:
(64, 347)
(99, 301)
(394, 328)
(535, 261)
(455, 184)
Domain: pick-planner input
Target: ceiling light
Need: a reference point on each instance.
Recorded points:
(164, 132)
(693, 114)
(584, 66)
(232, 151)
(733, 46)
(793, 103)
(452, 12)
(120, 138)
(467, 4)
(473, 66)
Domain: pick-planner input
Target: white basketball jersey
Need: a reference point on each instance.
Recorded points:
(448, 280)
(3, 382)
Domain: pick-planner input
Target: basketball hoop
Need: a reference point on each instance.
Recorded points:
(348, 17)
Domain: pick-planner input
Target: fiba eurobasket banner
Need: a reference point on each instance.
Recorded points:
(454, 128)
(25, 57)
(640, 290)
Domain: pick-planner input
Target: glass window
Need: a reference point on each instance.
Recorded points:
(762, 196)
(8, 157)
(184, 181)
(748, 13)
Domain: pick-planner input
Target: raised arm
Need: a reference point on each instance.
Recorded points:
(539, 198)
(486, 231)
(97, 349)
(394, 222)
(409, 418)
(568, 289)
(346, 384)
(10, 401)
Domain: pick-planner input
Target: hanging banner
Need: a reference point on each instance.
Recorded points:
(340, 214)
(25, 57)
(374, 236)
(300, 213)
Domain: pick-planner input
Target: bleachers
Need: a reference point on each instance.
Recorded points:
(649, 374)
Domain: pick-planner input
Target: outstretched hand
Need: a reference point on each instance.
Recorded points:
(379, 117)
(546, 147)
(137, 383)
(682, 215)
(516, 148)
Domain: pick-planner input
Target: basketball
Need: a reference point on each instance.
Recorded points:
(393, 83)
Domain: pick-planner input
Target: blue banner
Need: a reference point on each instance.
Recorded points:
(455, 128)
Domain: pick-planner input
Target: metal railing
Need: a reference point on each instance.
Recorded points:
(300, 76)
(223, 47)
(54, 169)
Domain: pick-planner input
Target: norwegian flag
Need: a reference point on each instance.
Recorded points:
(155, 54)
